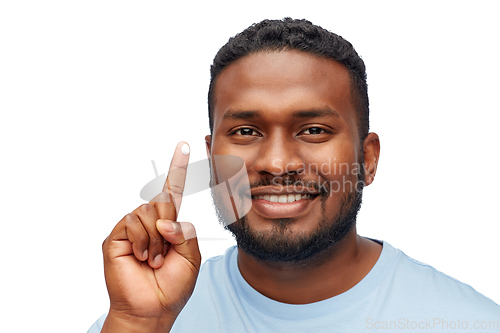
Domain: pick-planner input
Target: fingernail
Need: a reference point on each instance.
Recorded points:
(167, 225)
(145, 254)
(158, 260)
(185, 149)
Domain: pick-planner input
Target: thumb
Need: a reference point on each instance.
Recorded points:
(182, 237)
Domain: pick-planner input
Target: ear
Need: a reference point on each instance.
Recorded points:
(371, 152)
(208, 146)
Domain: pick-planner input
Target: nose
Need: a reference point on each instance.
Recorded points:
(278, 156)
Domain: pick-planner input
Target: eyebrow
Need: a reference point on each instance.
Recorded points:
(241, 115)
(315, 113)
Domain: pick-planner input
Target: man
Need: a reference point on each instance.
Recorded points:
(290, 99)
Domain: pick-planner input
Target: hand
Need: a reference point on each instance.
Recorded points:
(151, 261)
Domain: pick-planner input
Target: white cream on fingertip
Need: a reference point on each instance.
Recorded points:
(185, 149)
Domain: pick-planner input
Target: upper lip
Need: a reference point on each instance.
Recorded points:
(281, 190)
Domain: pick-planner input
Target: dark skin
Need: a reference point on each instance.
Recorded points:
(271, 91)
(283, 113)
(312, 283)
(151, 261)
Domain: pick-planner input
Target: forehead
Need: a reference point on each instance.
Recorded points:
(280, 82)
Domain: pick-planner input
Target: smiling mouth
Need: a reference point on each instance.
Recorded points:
(290, 205)
(284, 198)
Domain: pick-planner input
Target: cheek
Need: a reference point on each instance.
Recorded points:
(242, 154)
(248, 153)
(332, 162)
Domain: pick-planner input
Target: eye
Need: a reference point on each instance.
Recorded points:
(246, 132)
(314, 131)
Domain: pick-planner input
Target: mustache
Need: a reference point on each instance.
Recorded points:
(287, 181)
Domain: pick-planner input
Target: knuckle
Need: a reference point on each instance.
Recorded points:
(156, 241)
(176, 189)
(104, 244)
(142, 239)
(145, 208)
(177, 165)
(130, 218)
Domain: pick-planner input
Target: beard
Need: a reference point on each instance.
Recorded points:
(280, 244)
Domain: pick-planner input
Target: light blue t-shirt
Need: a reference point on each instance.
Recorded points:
(398, 294)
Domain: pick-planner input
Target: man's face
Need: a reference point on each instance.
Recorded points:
(290, 117)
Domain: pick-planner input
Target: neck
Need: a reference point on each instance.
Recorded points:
(330, 273)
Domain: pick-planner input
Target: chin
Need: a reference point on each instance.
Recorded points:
(281, 242)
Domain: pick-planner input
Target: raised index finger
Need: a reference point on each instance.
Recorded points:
(168, 202)
(176, 178)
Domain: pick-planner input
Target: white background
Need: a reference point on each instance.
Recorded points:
(92, 91)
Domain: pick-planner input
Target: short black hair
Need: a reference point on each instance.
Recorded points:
(300, 35)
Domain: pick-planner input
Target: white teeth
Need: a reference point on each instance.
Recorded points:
(284, 198)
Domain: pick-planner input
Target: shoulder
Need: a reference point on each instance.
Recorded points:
(425, 286)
